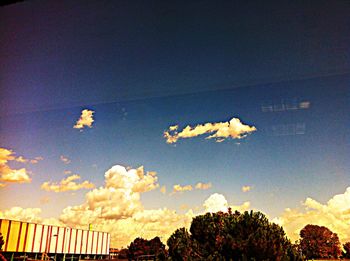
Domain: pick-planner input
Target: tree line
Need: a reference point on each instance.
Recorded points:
(237, 236)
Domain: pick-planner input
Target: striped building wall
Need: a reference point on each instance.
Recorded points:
(36, 238)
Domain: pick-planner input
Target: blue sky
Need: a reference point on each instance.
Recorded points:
(145, 67)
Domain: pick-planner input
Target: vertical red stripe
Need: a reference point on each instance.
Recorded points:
(0, 223)
(42, 238)
(92, 243)
(70, 238)
(47, 238)
(103, 237)
(25, 238)
(98, 236)
(58, 232)
(48, 243)
(64, 238)
(76, 239)
(8, 235)
(81, 242)
(34, 237)
(87, 242)
(19, 236)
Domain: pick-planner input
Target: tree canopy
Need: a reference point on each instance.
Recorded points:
(226, 236)
(319, 242)
(141, 247)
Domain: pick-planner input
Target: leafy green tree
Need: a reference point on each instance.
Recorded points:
(319, 242)
(231, 236)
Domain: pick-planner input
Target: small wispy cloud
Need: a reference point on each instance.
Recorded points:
(203, 186)
(163, 189)
(86, 119)
(178, 188)
(21, 159)
(67, 184)
(199, 186)
(246, 188)
(220, 131)
(65, 159)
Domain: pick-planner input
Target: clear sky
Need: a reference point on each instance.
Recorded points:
(99, 88)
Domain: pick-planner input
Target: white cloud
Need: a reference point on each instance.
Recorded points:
(67, 184)
(217, 202)
(7, 174)
(18, 213)
(335, 215)
(117, 208)
(86, 119)
(234, 129)
(119, 198)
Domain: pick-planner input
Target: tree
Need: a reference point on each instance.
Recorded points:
(346, 247)
(182, 247)
(140, 247)
(319, 242)
(231, 236)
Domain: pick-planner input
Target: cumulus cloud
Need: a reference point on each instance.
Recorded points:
(335, 215)
(119, 198)
(22, 214)
(86, 119)
(217, 202)
(203, 186)
(7, 174)
(234, 129)
(116, 208)
(246, 188)
(67, 184)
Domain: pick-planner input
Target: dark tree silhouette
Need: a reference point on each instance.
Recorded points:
(319, 242)
(231, 236)
(140, 247)
(346, 247)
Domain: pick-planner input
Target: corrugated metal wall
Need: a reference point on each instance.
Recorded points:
(36, 238)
